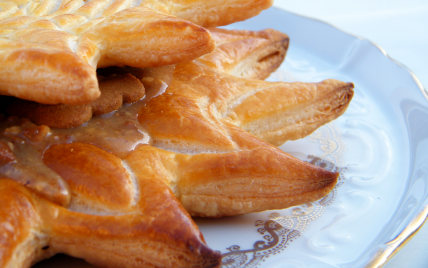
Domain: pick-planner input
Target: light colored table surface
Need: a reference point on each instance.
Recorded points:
(400, 27)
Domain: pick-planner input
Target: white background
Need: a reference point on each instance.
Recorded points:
(400, 27)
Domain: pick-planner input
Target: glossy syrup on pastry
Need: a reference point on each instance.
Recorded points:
(118, 132)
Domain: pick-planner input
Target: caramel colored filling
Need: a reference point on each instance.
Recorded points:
(23, 143)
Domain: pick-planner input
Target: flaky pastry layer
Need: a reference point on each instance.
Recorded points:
(85, 197)
(248, 54)
(50, 49)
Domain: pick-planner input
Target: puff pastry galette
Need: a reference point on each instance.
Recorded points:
(120, 190)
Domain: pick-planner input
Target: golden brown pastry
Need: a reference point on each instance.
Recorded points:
(274, 112)
(150, 230)
(248, 54)
(215, 13)
(50, 49)
(205, 90)
(201, 118)
(124, 212)
(119, 190)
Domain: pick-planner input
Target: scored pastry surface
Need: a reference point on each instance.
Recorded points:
(197, 161)
(241, 53)
(50, 49)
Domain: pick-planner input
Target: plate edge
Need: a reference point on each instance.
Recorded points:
(418, 83)
(392, 247)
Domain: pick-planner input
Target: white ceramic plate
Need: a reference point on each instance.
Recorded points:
(380, 146)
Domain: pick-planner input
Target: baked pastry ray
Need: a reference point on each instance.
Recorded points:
(274, 112)
(155, 232)
(256, 178)
(204, 99)
(50, 49)
(197, 160)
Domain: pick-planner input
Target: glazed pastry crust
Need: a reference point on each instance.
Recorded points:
(192, 117)
(258, 178)
(51, 48)
(19, 217)
(154, 232)
(51, 58)
(291, 111)
(207, 13)
(248, 54)
(199, 162)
